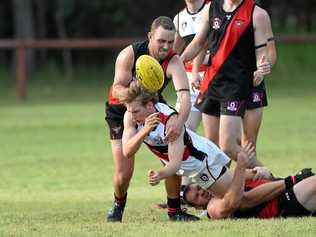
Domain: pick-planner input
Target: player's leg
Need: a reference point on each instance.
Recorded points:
(123, 166)
(194, 120)
(251, 125)
(305, 192)
(229, 135)
(175, 213)
(211, 127)
(123, 169)
(253, 115)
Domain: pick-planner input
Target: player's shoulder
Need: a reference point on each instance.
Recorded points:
(260, 14)
(126, 54)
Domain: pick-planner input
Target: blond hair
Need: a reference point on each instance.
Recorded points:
(137, 93)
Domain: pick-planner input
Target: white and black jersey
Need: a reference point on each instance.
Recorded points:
(201, 158)
(187, 24)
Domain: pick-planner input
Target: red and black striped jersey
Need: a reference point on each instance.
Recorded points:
(232, 52)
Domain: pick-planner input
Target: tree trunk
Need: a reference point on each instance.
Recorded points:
(67, 60)
(24, 28)
(41, 29)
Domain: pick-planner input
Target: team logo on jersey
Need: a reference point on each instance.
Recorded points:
(193, 18)
(239, 23)
(116, 130)
(233, 106)
(228, 17)
(256, 97)
(204, 177)
(184, 25)
(216, 23)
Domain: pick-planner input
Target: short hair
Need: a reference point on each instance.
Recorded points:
(137, 93)
(163, 21)
(185, 193)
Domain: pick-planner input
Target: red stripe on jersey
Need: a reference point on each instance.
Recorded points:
(235, 29)
(271, 209)
(189, 65)
(112, 100)
(164, 64)
(163, 118)
(162, 156)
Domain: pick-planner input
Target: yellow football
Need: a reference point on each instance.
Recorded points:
(149, 73)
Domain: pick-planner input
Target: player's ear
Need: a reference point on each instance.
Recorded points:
(149, 105)
(149, 35)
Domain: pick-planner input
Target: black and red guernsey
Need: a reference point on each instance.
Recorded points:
(141, 48)
(232, 49)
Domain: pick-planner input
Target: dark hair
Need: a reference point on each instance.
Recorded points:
(163, 21)
(136, 92)
(185, 193)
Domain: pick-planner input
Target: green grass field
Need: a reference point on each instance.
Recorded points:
(56, 164)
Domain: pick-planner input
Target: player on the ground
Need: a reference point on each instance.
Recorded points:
(297, 197)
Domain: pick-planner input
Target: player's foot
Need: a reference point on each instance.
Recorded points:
(164, 205)
(115, 214)
(303, 174)
(181, 215)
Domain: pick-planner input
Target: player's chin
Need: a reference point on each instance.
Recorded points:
(162, 55)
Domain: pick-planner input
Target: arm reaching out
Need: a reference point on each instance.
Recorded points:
(224, 207)
(175, 154)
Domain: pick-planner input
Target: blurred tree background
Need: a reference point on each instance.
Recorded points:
(68, 19)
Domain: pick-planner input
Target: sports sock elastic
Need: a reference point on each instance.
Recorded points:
(173, 204)
(120, 201)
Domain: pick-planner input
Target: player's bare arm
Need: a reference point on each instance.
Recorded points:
(175, 154)
(197, 62)
(132, 140)
(261, 22)
(123, 71)
(178, 44)
(199, 40)
(223, 208)
(181, 83)
(272, 55)
(262, 193)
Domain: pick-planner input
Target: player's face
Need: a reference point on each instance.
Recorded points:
(198, 196)
(161, 42)
(137, 111)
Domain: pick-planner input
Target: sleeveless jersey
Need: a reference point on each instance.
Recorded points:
(141, 48)
(197, 150)
(232, 49)
(187, 25)
(265, 210)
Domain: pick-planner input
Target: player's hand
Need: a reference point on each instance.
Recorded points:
(195, 81)
(264, 66)
(151, 122)
(246, 154)
(173, 129)
(257, 78)
(261, 173)
(154, 177)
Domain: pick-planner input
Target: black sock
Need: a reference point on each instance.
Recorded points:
(120, 201)
(173, 204)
